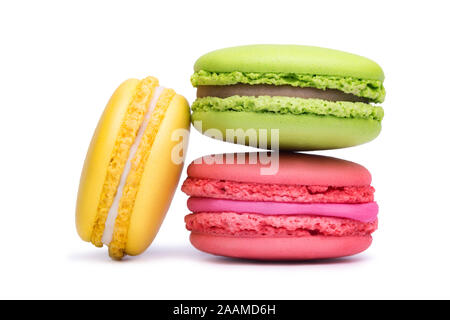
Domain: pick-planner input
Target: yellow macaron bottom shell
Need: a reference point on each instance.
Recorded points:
(152, 179)
(127, 199)
(160, 177)
(133, 119)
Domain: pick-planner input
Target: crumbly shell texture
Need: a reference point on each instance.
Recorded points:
(126, 204)
(290, 105)
(222, 189)
(370, 89)
(255, 225)
(127, 133)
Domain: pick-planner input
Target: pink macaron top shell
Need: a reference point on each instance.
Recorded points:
(292, 169)
(365, 212)
(250, 191)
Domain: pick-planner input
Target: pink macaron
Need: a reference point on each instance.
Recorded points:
(286, 206)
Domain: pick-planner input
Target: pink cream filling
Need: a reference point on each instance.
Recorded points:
(364, 212)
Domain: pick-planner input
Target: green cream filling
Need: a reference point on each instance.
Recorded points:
(370, 89)
(288, 105)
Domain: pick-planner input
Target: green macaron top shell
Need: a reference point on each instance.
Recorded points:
(290, 59)
(295, 65)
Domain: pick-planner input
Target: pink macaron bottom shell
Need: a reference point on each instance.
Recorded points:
(364, 212)
(280, 248)
(225, 189)
(257, 225)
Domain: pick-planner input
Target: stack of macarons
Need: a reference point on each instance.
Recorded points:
(268, 205)
(288, 98)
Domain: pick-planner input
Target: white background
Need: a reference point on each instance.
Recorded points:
(59, 63)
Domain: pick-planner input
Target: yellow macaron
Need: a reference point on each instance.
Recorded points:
(132, 167)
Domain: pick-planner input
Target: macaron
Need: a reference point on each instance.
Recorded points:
(288, 207)
(288, 97)
(132, 167)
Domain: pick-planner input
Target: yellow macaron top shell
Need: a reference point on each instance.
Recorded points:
(99, 155)
(148, 187)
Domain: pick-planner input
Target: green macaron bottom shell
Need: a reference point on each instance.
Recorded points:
(365, 88)
(290, 105)
(286, 131)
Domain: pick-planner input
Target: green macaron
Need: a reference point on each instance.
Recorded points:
(289, 97)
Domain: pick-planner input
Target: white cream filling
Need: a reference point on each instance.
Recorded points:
(114, 210)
